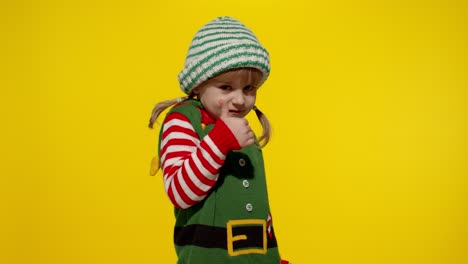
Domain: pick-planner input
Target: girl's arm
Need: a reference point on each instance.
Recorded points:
(190, 165)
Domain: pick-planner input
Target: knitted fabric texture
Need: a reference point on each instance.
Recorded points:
(221, 45)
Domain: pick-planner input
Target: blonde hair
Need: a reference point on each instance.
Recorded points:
(252, 74)
(161, 106)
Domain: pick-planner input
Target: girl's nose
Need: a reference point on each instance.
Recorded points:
(238, 99)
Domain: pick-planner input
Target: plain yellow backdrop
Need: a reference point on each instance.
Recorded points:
(368, 100)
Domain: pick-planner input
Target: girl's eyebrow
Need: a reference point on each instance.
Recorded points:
(222, 81)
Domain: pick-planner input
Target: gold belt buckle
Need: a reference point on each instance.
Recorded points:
(231, 239)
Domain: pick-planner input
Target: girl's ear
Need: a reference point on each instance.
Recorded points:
(196, 91)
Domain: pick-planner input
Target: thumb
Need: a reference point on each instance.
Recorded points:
(224, 108)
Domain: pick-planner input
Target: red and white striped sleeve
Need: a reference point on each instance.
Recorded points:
(191, 165)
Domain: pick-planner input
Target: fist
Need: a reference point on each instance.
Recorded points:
(239, 126)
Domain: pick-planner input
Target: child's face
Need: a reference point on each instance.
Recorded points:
(237, 88)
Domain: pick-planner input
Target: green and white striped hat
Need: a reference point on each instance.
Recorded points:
(221, 45)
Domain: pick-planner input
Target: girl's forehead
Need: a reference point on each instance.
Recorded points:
(247, 75)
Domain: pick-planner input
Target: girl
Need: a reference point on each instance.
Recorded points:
(211, 161)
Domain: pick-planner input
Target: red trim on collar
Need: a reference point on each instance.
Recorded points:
(206, 118)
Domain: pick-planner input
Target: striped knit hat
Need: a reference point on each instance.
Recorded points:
(221, 45)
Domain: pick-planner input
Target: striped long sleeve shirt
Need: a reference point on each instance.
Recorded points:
(191, 165)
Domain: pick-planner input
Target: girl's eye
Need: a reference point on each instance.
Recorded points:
(249, 88)
(225, 87)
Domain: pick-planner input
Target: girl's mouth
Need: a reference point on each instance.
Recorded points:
(236, 113)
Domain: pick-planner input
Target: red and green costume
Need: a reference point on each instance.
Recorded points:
(219, 191)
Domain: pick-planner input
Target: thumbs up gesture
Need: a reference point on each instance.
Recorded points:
(239, 126)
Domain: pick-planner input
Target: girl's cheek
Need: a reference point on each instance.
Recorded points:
(252, 100)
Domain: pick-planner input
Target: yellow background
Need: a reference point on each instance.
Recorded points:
(368, 102)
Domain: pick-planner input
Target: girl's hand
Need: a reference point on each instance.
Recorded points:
(239, 126)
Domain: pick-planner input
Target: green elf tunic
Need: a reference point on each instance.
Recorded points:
(233, 223)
